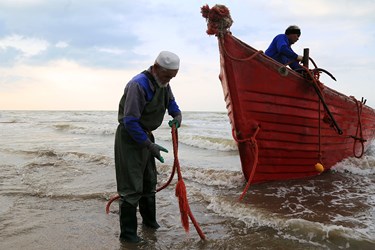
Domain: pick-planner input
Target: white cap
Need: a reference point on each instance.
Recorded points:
(168, 60)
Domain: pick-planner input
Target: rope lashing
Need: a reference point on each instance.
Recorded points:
(358, 134)
(255, 150)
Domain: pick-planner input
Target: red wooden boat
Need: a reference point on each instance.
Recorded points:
(284, 122)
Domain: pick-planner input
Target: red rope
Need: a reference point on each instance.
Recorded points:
(112, 199)
(180, 191)
(255, 162)
(253, 141)
(238, 59)
(116, 197)
(168, 182)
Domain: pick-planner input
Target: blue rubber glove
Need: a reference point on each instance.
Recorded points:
(155, 151)
(176, 120)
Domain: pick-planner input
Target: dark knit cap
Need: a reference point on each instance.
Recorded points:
(293, 29)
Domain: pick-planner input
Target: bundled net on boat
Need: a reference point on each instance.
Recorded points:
(218, 19)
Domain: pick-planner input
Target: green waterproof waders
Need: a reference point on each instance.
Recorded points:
(147, 208)
(128, 222)
(136, 169)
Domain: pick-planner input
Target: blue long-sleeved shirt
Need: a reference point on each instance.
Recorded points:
(281, 51)
(138, 92)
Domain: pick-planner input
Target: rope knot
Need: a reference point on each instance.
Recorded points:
(255, 150)
(358, 137)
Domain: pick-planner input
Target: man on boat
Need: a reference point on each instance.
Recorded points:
(141, 110)
(280, 48)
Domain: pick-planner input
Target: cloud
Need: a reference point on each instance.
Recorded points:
(21, 3)
(63, 39)
(114, 51)
(60, 85)
(28, 46)
(61, 44)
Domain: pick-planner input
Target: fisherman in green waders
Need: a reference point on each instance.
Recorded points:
(141, 110)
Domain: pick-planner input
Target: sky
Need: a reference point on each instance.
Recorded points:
(79, 54)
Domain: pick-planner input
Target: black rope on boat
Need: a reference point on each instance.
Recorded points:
(325, 71)
(313, 62)
(316, 69)
(320, 95)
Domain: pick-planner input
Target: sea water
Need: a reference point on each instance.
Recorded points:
(57, 174)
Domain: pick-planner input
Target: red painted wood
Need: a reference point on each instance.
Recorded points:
(287, 110)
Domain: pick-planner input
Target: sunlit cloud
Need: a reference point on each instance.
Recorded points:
(60, 85)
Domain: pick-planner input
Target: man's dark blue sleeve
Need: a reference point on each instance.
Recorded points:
(134, 104)
(134, 129)
(288, 52)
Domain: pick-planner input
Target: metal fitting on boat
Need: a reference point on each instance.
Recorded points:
(283, 71)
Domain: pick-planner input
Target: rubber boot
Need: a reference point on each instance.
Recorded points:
(147, 208)
(128, 222)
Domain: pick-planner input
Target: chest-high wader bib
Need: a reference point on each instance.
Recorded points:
(135, 166)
